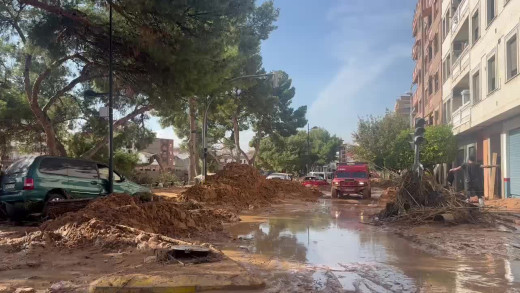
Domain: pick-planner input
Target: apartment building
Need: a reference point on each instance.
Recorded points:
(403, 105)
(481, 87)
(426, 28)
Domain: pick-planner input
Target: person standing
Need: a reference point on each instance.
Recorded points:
(472, 178)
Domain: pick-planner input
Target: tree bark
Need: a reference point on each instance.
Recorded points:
(192, 145)
(257, 149)
(236, 136)
(54, 146)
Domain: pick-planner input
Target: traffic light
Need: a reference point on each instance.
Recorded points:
(418, 136)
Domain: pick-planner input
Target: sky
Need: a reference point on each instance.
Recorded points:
(347, 59)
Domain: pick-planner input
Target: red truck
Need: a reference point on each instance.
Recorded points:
(351, 178)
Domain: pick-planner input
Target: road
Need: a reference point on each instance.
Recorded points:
(328, 240)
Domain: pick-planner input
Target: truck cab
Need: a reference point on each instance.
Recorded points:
(351, 178)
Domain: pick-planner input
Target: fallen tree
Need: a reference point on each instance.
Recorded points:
(424, 201)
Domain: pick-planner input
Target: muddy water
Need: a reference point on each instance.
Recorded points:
(363, 258)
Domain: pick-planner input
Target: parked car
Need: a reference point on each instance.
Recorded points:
(29, 183)
(282, 176)
(309, 181)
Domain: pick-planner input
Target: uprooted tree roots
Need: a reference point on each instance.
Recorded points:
(425, 201)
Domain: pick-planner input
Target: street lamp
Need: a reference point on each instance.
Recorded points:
(110, 110)
(91, 93)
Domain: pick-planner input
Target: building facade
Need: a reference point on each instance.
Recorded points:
(481, 87)
(403, 106)
(426, 51)
(164, 149)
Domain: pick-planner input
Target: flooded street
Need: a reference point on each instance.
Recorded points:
(329, 239)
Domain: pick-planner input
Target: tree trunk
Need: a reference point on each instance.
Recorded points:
(257, 150)
(54, 146)
(194, 157)
(236, 135)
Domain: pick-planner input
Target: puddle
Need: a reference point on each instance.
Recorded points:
(360, 256)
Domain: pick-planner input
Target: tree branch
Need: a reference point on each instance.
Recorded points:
(68, 87)
(27, 76)
(47, 72)
(73, 15)
(117, 124)
(14, 23)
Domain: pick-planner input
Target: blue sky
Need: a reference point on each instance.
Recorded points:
(347, 58)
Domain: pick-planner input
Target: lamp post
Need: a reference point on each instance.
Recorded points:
(91, 93)
(110, 186)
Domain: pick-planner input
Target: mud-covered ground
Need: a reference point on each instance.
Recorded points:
(331, 244)
(290, 246)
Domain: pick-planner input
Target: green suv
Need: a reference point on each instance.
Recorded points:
(29, 183)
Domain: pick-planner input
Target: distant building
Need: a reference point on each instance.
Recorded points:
(344, 154)
(403, 105)
(164, 149)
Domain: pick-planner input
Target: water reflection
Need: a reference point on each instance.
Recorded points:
(331, 235)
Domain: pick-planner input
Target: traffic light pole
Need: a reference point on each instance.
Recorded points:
(418, 140)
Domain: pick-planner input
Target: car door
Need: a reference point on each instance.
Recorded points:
(84, 179)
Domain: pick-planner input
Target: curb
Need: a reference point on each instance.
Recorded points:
(174, 284)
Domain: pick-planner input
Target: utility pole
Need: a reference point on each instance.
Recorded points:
(110, 111)
(308, 147)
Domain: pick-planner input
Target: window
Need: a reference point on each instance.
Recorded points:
(20, 166)
(476, 87)
(475, 27)
(54, 166)
(491, 13)
(430, 86)
(430, 53)
(492, 78)
(103, 173)
(436, 81)
(446, 25)
(435, 45)
(472, 152)
(512, 57)
(82, 169)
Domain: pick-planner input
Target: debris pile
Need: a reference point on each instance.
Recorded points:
(382, 182)
(240, 186)
(424, 201)
(119, 219)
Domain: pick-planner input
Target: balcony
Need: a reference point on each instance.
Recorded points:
(461, 103)
(415, 76)
(458, 16)
(461, 116)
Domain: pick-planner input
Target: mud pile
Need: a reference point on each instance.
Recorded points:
(107, 222)
(240, 186)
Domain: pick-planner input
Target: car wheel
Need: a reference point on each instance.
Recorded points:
(50, 198)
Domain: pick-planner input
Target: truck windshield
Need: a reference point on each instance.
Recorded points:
(351, 174)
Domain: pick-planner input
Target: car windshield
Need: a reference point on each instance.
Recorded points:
(20, 166)
(351, 175)
(310, 178)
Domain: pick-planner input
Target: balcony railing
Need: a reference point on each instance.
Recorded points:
(459, 14)
(461, 63)
(461, 116)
